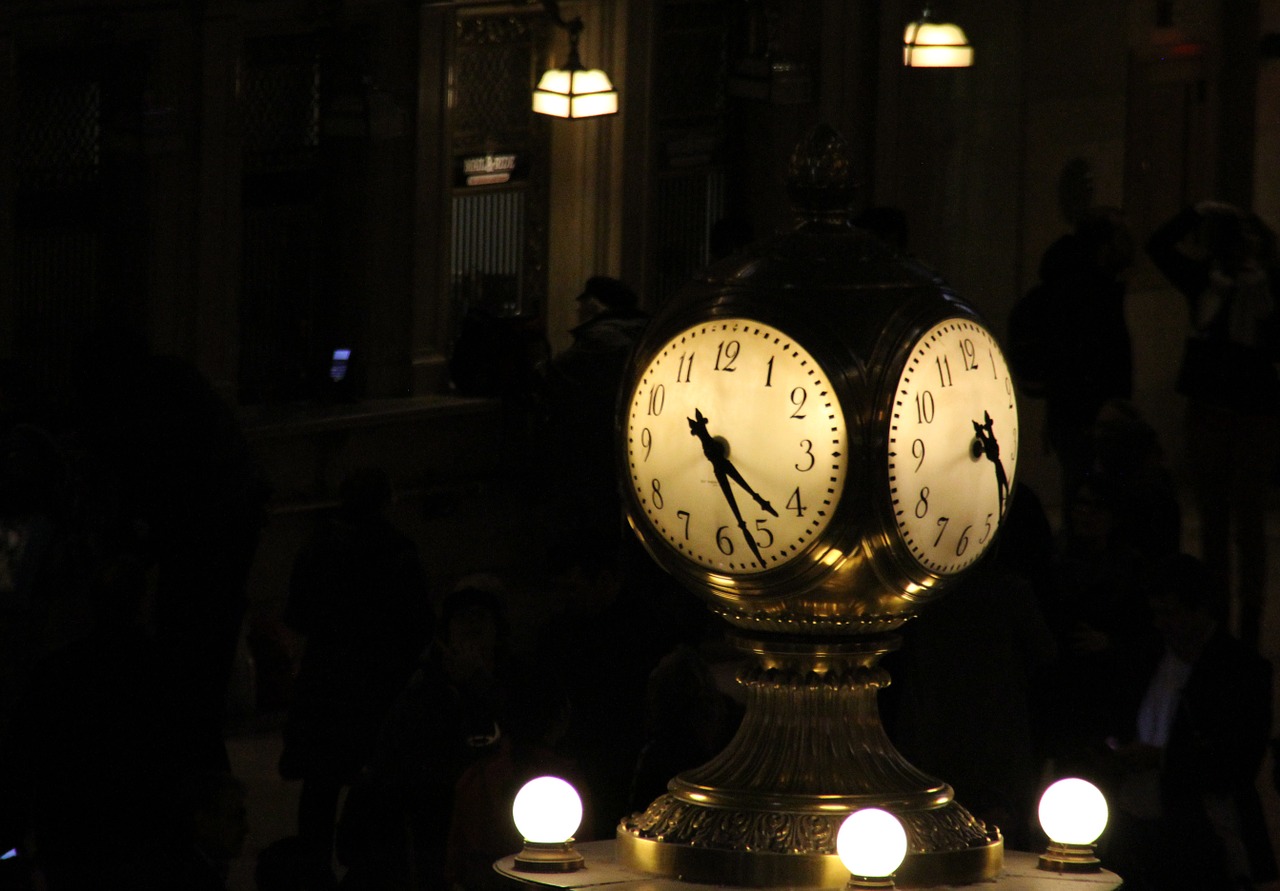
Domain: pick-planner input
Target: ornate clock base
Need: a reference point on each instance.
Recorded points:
(810, 751)
(682, 840)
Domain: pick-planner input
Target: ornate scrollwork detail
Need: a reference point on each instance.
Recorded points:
(796, 624)
(948, 828)
(492, 30)
(859, 678)
(668, 819)
(671, 820)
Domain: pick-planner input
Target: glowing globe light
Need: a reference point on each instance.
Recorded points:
(1073, 813)
(871, 844)
(547, 810)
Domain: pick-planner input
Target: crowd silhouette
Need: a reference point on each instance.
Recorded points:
(131, 512)
(1093, 643)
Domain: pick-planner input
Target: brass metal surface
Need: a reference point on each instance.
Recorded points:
(1060, 857)
(549, 857)
(810, 750)
(857, 306)
(605, 873)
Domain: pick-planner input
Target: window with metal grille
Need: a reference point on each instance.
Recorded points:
(689, 182)
(689, 203)
(498, 245)
(79, 258)
(488, 252)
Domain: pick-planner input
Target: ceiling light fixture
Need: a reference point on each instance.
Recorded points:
(929, 43)
(573, 91)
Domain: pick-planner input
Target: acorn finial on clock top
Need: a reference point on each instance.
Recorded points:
(817, 437)
(820, 181)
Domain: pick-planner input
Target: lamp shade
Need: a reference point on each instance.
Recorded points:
(1073, 812)
(871, 843)
(547, 810)
(575, 93)
(930, 44)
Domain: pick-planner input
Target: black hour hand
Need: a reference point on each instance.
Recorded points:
(723, 468)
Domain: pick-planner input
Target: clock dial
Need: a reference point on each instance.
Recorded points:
(736, 446)
(953, 445)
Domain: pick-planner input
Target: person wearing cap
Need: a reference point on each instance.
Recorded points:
(611, 317)
(582, 390)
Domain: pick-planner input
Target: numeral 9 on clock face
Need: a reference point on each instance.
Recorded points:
(736, 446)
(952, 445)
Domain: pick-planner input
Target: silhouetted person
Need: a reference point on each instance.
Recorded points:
(42, 555)
(604, 649)
(208, 833)
(1182, 771)
(280, 866)
(359, 595)
(1127, 451)
(532, 720)
(975, 728)
(1069, 341)
(394, 826)
(582, 394)
(103, 736)
(1224, 262)
(1097, 610)
(1026, 545)
(687, 722)
(170, 475)
(503, 356)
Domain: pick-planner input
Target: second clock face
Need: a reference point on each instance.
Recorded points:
(736, 446)
(953, 445)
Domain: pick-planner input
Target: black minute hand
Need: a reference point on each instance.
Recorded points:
(987, 441)
(724, 470)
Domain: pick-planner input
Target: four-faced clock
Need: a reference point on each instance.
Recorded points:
(952, 445)
(736, 447)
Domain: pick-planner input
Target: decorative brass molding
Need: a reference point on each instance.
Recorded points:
(672, 820)
(810, 751)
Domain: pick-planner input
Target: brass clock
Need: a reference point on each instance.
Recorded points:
(816, 436)
(736, 446)
(952, 445)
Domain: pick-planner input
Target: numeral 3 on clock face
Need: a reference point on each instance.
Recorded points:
(736, 446)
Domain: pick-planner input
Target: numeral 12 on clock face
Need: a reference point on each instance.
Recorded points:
(736, 446)
(953, 445)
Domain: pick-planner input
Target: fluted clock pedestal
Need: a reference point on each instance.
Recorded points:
(810, 750)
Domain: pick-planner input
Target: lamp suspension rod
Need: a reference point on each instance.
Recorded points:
(573, 26)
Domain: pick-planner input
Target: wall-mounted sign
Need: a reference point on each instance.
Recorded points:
(489, 169)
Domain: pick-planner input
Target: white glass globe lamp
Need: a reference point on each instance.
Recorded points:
(929, 43)
(547, 811)
(871, 844)
(1073, 813)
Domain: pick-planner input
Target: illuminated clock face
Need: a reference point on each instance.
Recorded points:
(736, 446)
(953, 445)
